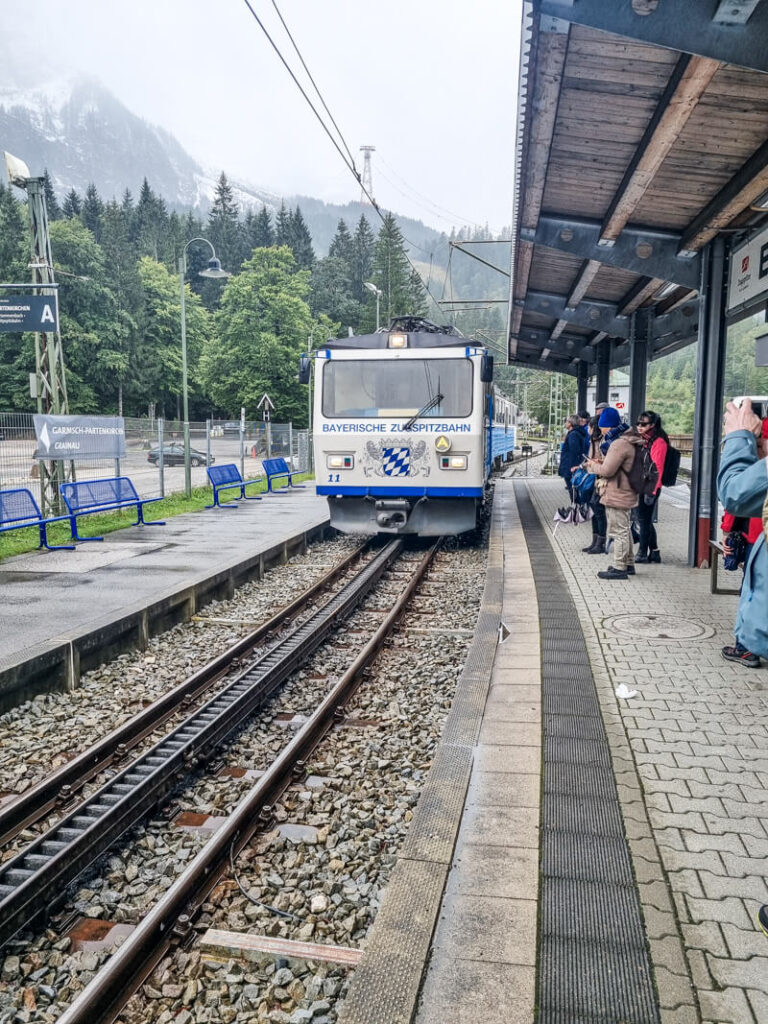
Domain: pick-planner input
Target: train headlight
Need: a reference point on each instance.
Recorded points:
(398, 341)
(340, 461)
(453, 462)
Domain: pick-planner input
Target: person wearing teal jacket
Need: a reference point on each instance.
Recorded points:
(742, 485)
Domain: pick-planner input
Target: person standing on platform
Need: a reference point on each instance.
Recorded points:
(599, 532)
(742, 486)
(656, 441)
(571, 451)
(617, 494)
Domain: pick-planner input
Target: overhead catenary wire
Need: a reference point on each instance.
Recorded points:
(348, 162)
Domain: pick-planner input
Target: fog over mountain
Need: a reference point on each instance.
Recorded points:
(83, 134)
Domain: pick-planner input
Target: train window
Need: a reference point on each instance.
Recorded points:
(389, 387)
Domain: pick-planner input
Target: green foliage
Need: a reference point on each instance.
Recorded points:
(263, 326)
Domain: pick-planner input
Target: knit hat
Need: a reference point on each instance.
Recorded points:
(609, 418)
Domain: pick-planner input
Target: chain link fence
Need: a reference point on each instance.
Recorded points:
(154, 457)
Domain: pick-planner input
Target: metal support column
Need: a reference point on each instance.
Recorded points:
(581, 385)
(709, 403)
(603, 371)
(638, 362)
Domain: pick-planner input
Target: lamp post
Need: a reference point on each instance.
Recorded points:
(378, 293)
(212, 270)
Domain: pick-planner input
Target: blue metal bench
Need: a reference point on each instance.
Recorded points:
(106, 495)
(275, 468)
(18, 509)
(225, 478)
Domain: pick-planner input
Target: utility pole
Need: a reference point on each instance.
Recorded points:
(367, 180)
(50, 372)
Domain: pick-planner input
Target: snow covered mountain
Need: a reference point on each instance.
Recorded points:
(82, 133)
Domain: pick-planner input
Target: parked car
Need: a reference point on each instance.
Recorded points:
(173, 455)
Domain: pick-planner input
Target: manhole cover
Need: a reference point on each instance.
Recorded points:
(658, 627)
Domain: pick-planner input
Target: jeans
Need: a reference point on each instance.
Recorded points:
(618, 528)
(648, 539)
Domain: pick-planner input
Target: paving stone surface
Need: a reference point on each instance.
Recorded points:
(696, 737)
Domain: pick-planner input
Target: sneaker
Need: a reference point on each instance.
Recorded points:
(641, 559)
(740, 654)
(612, 573)
(762, 919)
(630, 570)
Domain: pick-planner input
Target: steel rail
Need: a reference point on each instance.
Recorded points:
(170, 920)
(38, 876)
(50, 793)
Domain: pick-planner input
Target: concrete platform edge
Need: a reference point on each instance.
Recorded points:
(59, 663)
(673, 982)
(388, 981)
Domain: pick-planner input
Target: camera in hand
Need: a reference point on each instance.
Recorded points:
(759, 404)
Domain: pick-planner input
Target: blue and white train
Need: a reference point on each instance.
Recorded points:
(407, 426)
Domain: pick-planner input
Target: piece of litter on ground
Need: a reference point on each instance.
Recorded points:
(624, 693)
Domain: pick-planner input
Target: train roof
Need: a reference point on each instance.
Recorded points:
(421, 334)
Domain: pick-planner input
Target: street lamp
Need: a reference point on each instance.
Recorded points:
(212, 270)
(378, 293)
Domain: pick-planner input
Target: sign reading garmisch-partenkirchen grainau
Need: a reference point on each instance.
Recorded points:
(80, 437)
(29, 313)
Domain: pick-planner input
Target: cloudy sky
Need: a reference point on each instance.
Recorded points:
(431, 83)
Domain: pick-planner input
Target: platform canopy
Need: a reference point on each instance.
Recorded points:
(642, 135)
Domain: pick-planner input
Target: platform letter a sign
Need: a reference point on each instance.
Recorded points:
(47, 316)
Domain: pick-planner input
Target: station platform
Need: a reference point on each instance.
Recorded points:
(577, 856)
(65, 611)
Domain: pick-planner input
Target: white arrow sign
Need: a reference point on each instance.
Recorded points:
(266, 402)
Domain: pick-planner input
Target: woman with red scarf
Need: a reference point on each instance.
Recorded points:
(655, 439)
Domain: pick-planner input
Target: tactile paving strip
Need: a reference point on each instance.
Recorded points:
(593, 962)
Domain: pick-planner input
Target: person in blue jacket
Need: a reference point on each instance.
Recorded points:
(572, 450)
(742, 485)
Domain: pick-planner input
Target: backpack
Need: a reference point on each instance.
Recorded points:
(583, 485)
(644, 475)
(671, 466)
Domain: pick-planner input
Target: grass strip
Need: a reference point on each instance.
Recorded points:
(18, 542)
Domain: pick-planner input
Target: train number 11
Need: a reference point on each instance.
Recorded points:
(333, 478)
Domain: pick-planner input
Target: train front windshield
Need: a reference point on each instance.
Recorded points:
(396, 387)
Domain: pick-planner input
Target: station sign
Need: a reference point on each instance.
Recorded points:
(29, 313)
(748, 274)
(79, 437)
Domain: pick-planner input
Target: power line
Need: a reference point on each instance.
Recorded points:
(349, 164)
(309, 76)
(456, 216)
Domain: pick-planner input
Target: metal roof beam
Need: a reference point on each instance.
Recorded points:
(600, 316)
(734, 12)
(744, 187)
(684, 25)
(686, 86)
(645, 251)
(570, 346)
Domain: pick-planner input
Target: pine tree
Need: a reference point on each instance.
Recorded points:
(224, 228)
(72, 205)
(93, 210)
(391, 270)
(283, 226)
(362, 259)
(263, 235)
(342, 245)
(150, 223)
(301, 240)
(51, 202)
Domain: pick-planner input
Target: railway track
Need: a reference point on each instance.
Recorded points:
(169, 922)
(35, 879)
(59, 789)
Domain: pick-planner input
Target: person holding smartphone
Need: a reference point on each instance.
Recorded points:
(742, 486)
